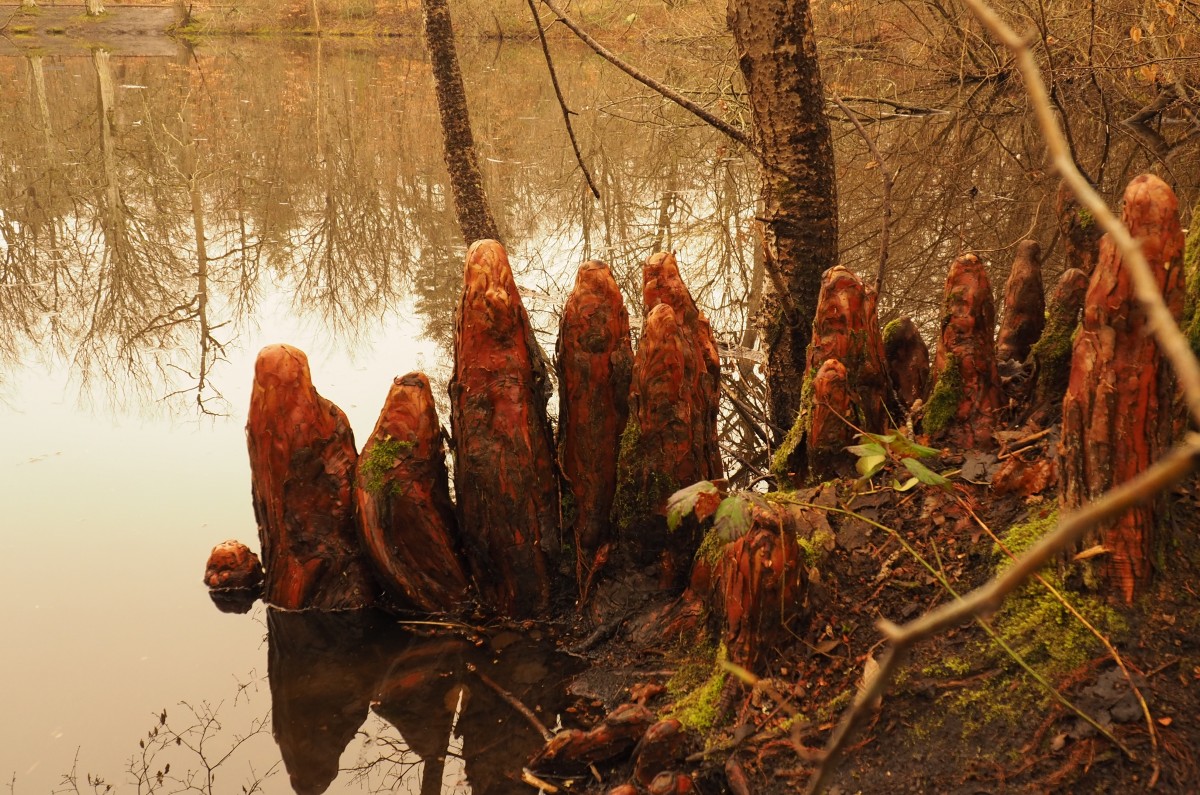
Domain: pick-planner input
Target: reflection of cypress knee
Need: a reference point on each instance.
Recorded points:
(594, 363)
(1052, 353)
(1117, 413)
(1024, 304)
(907, 358)
(670, 440)
(845, 329)
(505, 475)
(966, 385)
(403, 495)
(302, 460)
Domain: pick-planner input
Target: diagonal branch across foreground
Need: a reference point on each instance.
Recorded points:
(1171, 468)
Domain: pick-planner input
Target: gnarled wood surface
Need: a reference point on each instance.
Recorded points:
(1117, 413)
(966, 384)
(404, 508)
(595, 365)
(505, 475)
(1024, 304)
(302, 460)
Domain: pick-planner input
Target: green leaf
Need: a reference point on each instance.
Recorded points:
(906, 485)
(868, 465)
(925, 474)
(861, 450)
(907, 447)
(683, 502)
(733, 517)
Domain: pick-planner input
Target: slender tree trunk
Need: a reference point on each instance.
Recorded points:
(777, 53)
(466, 182)
(94, 7)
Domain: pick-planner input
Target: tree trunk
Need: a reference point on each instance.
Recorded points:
(466, 181)
(505, 475)
(94, 7)
(302, 461)
(595, 363)
(1117, 414)
(403, 494)
(777, 54)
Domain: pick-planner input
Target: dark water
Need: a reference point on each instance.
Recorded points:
(311, 171)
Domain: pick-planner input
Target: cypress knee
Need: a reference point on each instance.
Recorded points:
(1080, 232)
(907, 358)
(505, 475)
(846, 329)
(966, 384)
(1117, 413)
(595, 365)
(1024, 304)
(302, 460)
(1052, 353)
(403, 494)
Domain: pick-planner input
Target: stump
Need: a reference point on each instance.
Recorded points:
(762, 583)
(1024, 305)
(966, 385)
(670, 439)
(1052, 353)
(1117, 413)
(231, 565)
(404, 508)
(505, 478)
(1081, 234)
(302, 460)
(845, 329)
(594, 364)
(907, 358)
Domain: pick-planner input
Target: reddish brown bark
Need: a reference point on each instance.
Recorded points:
(670, 439)
(660, 748)
(667, 783)
(302, 461)
(595, 364)
(231, 564)
(404, 508)
(1117, 413)
(1024, 304)
(966, 384)
(907, 358)
(829, 433)
(845, 330)
(505, 475)
(613, 737)
(1052, 353)
(1081, 234)
(762, 586)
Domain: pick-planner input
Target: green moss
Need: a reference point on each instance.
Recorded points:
(639, 494)
(711, 548)
(947, 394)
(378, 463)
(1191, 272)
(1085, 218)
(815, 547)
(890, 330)
(696, 689)
(785, 461)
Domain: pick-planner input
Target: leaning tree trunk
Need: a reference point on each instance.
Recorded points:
(777, 53)
(466, 182)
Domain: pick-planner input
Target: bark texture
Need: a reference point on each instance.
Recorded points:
(1081, 234)
(670, 439)
(595, 364)
(966, 387)
(856, 390)
(1117, 413)
(907, 358)
(1052, 353)
(404, 508)
(661, 747)
(1024, 304)
(466, 181)
(231, 564)
(777, 54)
(505, 475)
(302, 460)
(573, 750)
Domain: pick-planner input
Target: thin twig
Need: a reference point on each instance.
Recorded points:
(513, 702)
(885, 222)
(986, 599)
(562, 103)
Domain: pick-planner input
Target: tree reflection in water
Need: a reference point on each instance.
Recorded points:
(329, 671)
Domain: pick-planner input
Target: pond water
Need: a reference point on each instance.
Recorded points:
(312, 172)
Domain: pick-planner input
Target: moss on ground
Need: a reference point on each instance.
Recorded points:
(696, 688)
